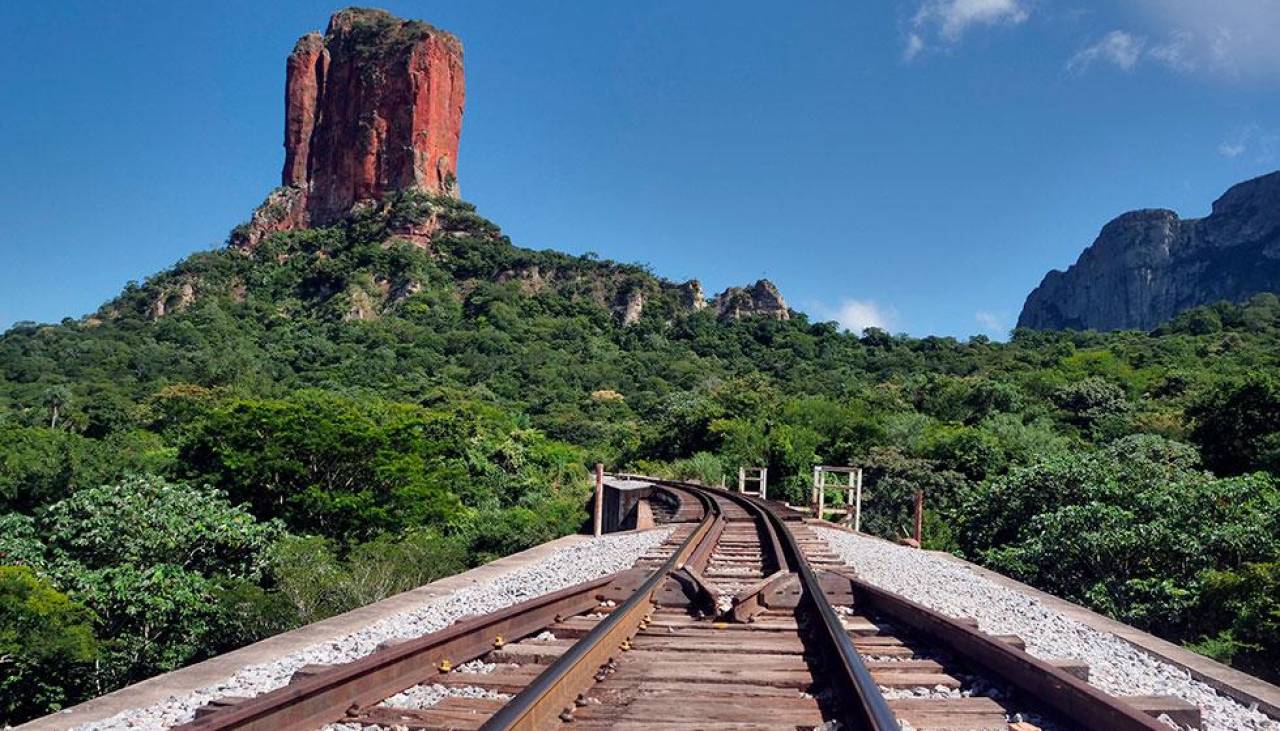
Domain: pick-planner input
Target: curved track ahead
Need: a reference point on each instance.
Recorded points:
(742, 623)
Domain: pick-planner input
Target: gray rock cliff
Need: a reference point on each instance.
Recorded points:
(1147, 266)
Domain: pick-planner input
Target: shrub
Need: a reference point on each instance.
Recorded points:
(47, 646)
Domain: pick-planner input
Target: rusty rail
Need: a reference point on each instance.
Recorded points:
(1073, 698)
(863, 704)
(326, 696)
(557, 687)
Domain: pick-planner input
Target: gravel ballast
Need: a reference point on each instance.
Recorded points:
(568, 566)
(1115, 665)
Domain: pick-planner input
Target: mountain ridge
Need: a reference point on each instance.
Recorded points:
(1149, 265)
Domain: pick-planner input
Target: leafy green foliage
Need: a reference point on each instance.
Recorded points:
(1237, 425)
(1133, 529)
(147, 556)
(151, 521)
(39, 465)
(1243, 604)
(46, 645)
(331, 465)
(318, 583)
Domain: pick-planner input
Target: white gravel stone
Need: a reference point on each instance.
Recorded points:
(427, 695)
(940, 691)
(475, 667)
(418, 698)
(1114, 665)
(568, 566)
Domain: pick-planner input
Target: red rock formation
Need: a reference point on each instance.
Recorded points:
(372, 107)
(304, 80)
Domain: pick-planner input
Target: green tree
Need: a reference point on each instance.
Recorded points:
(333, 465)
(147, 520)
(1243, 606)
(1132, 530)
(1090, 400)
(47, 646)
(1237, 424)
(148, 557)
(55, 399)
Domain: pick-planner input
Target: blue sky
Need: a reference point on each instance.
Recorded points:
(916, 165)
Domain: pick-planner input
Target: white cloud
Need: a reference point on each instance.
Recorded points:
(1231, 150)
(1251, 142)
(1117, 48)
(944, 22)
(858, 315)
(915, 44)
(990, 322)
(1230, 39)
(1176, 52)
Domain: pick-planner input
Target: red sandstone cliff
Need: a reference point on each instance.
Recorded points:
(371, 107)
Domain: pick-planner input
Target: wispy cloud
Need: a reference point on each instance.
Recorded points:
(915, 44)
(1117, 48)
(1251, 142)
(944, 23)
(1232, 39)
(858, 315)
(1232, 150)
(1176, 52)
(991, 322)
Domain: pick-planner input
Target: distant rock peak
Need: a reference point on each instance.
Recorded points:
(1147, 266)
(372, 106)
(760, 299)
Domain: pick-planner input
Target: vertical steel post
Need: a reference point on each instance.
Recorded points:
(822, 493)
(813, 494)
(597, 522)
(857, 507)
(920, 518)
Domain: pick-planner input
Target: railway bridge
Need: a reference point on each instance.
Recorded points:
(735, 613)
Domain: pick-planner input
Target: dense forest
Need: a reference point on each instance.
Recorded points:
(258, 439)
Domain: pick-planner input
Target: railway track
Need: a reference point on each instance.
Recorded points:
(742, 619)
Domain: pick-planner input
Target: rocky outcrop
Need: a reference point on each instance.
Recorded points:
(373, 106)
(691, 295)
(633, 307)
(760, 300)
(1147, 266)
(172, 299)
(531, 278)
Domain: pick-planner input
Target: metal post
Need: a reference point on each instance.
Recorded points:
(857, 507)
(813, 493)
(764, 483)
(822, 493)
(742, 479)
(919, 518)
(597, 522)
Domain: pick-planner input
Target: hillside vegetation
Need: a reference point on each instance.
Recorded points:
(254, 440)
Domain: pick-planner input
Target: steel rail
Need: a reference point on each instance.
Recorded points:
(863, 704)
(325, 696)
(557, 688)
(1074, 699)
